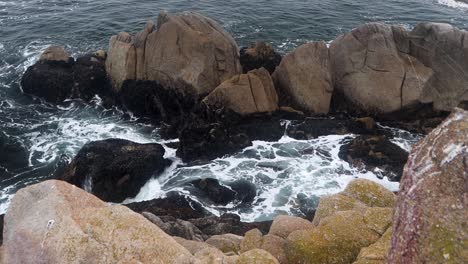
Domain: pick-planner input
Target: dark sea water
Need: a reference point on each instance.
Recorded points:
(50, 134)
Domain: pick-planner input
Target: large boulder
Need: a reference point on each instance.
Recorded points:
(304, 78)
(188, 47)
(115, 169)
(284, 225)
(55, 222)
(430, 222)
(444, 49)
(57, 77)
(374, 72)
(377, 252)
(249, 93)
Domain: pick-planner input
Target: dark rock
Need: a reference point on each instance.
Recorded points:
(215, 191)
(115, 169)
(57, 81)
(176, 227)
(225, 224)
(245, 191)
(13, 155)
(375, 151)
(260, 55)
(175, 205)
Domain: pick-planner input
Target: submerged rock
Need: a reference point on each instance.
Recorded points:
(115, 169)
(55, 222)
(13, 154)
(56, 79)
(371, 152)
(304, 79)
(245, 94)
(240, 192)
(260, 55)
(187, 47)
(430, 222)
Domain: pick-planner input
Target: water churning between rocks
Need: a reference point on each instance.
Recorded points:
(287, 174)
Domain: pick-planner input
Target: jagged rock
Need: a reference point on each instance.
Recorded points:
(284, 225)
(245, 94)
(226, 242)
(370, 152)
(55, 222)
(374, 71)
(115, 169)
(55, 53)
(304, 78)
(430, 216)
(260, 55)
(188, 47)
(55, 79)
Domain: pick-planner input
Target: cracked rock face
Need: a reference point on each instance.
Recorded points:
(187, 47)
(373, 70)
(249, 93)
(430, 221)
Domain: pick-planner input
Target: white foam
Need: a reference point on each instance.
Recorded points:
(453, 4)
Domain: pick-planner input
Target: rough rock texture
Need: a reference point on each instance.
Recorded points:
(444, 49)
(115, 169)
(337, 239)
(249, 93)
(329, 205)
(377, 252)
(370, 193)
(55, 53)
(430, 222)
(370, 152)
(191, 245)
(304, 78)
(188, 47)
(259, 55)
(226, 242)
(274, 245)
(374, 71)
(284, 225)
(54, 222)
(257, 256)
(55, 79)
(176, 227)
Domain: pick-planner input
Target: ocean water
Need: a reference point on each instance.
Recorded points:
(53, 134)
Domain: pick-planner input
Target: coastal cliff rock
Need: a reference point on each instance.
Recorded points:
(260, 55)
(430, 222)
(187, 47)
(55, 222)
(115, 169)
(304, 80)
(249, 93)
(374, 72)
(57, 77)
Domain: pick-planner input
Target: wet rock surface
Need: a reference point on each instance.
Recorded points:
(259, 55)
(115, 169)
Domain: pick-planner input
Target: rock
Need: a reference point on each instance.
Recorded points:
(276, 246)
(56, 54)
(430, 216)
(444, 49)
(329, 205)
(284, 225)
(216, 192)
(245, 94)
(176, 227)
(115, 169)
(304, 78)
(57, 80)
(252, 240)
(338, 239)
(260, 55)
(209, 256)
(370, 193)
(378, 219)
(228, 223)
(371, 152)
(226, 242)
(192, 246)
(188, 48)
(175, 205)
(100, 54)
(13, 154)
(377, 252)
(257, 256)
(374, 72)
(54, 222)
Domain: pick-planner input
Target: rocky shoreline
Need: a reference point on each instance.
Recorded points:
(187, 74)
